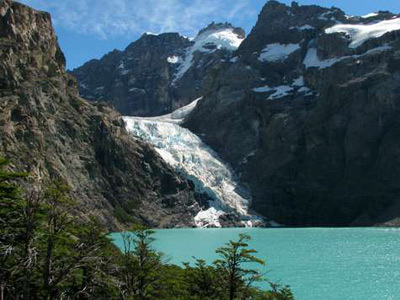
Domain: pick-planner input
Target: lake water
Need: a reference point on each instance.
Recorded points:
(318, 263)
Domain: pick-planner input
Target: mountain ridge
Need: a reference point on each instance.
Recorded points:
(158, 73)
(46, 128)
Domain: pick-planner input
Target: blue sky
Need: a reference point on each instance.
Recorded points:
(89, 29)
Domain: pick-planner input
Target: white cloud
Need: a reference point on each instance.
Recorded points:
(110, 18)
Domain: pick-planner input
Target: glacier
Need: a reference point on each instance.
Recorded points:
(196, 161)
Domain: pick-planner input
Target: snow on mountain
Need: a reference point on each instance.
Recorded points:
(359, 33)
(304, 27)
(196, 161)
(176, 116)
(281, 91)
(263, 89)
(209, 41)
(371, 15)
(173, 59)
(277, 52)
(313, 61)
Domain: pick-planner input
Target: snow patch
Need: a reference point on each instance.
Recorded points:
(234, 59)
(263, 89)
(209, 41)
(122, 69)
(359, 33)
(325, 15)
(303, 28)
(281, 91)
(173, 59)
(277, 52)
(371, 15)
(298, 81)
(313, 61)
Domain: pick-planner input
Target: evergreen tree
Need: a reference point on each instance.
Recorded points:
(11, 228)
(201, 280)
(235, 278)
(141, 264)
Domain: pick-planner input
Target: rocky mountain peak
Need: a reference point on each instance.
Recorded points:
(158, 73)
(162, 40)
(30, 33)
(212, 27)
(283, 24)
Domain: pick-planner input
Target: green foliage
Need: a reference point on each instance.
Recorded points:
(121, 215)
(47, 252)
(277, 292)
(12, 233)
(201, 280)
(236, 279)
(140, 264)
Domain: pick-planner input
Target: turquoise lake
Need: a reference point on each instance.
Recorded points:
(318, 263)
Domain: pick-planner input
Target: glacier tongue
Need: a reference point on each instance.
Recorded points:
(185, 151)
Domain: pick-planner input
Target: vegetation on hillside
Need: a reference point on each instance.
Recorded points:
(47, 252)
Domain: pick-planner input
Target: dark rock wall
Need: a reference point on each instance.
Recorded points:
(329, 156)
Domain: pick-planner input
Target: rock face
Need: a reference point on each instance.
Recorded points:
(308, 113)
(47, 129)
(158, 73)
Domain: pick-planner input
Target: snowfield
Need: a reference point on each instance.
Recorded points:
(360, 33)
(277, 52)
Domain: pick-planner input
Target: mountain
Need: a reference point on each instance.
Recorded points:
(304, 110)
(158, 73)
(308, 113)
(48, 129)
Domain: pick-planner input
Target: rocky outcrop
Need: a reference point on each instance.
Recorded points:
(157, 73)
(48, 129)
(308, 114)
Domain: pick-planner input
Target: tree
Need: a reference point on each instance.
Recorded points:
(201, 280)
(32, 214)
(141, 264)
(94, 277)
(73, 261)
(10, 225)
(277, 292)
(234, 277)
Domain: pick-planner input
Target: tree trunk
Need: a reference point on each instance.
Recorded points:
(2, 291)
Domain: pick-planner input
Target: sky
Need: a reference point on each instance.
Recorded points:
(89, 29)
